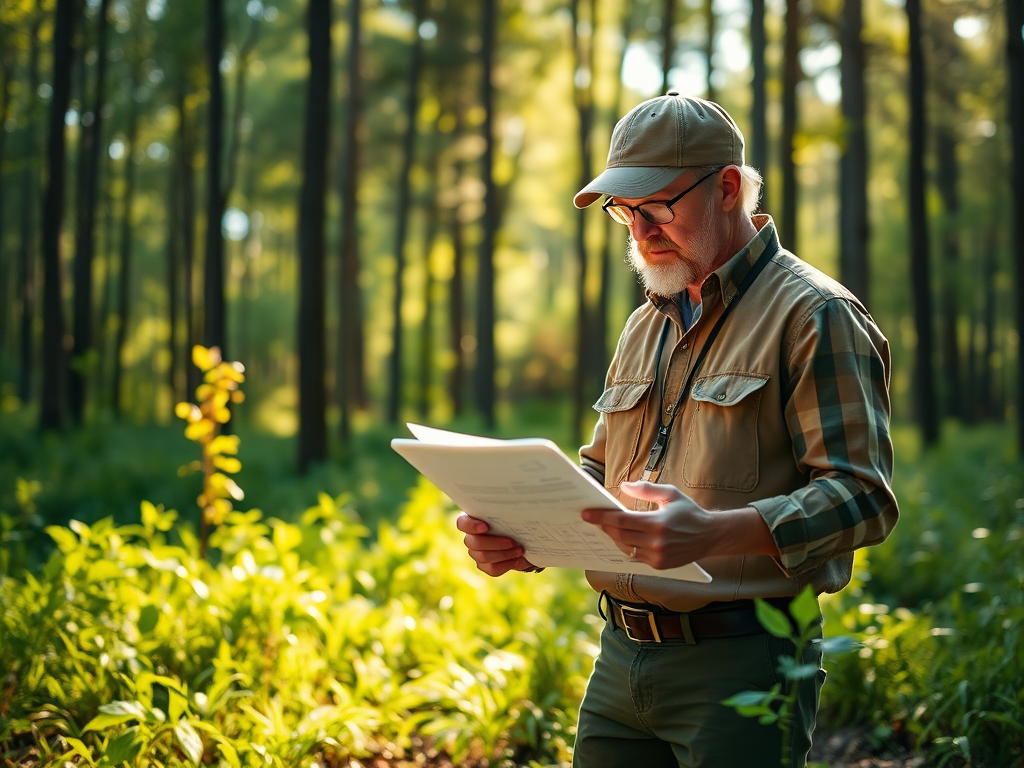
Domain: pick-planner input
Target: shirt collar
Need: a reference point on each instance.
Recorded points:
(727, 278)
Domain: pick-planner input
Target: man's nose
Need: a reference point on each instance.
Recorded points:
(642, 229)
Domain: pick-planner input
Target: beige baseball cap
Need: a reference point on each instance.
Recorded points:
(657, 139)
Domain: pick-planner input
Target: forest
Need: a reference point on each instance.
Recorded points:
(288, 228)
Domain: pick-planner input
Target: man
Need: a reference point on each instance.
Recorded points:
(745, 419)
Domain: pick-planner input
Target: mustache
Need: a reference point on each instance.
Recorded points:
(656, 244)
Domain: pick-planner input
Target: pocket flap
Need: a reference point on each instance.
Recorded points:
(622, 395)
(727, 388)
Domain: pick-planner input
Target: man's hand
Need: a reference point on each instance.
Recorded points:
(494, 555)
(681, 531)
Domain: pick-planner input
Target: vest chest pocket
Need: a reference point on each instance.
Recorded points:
(622, 407)
(721, 448)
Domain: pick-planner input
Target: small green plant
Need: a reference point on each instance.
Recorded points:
(777, 705)
(220, 387)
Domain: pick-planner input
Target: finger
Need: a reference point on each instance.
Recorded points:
(657, 492)
(486, 541)
(496, 555)
(610, 518)
(468, 524)
(497, 569)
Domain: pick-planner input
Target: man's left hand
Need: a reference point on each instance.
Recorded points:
(680, 531)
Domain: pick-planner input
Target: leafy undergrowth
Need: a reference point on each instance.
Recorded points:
(305, 645)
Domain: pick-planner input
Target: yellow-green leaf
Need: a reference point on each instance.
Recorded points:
(189, 741)
(227, 464)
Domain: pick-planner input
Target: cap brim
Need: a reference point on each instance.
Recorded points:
(629, 182)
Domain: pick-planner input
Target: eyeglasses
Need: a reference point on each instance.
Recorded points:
(656, 211)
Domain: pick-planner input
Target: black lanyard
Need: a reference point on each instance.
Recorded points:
(661, 442)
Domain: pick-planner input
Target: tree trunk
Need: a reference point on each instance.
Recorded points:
(986, 381)
(350, 377)
(6, 64)
(759, 107)
(174, 380)
(127, 229)
(456, 317)
(1015, 65)
(924, 386)
(312, 440)
(583, 97)
(186, 173)
(790, 80)
(485, 357)
(709, 45)
(85, 242)
(427, 326)
(402, 213)
(51, 412)
(948, 178)
(214, 332)
(853, 194)
(668, 43)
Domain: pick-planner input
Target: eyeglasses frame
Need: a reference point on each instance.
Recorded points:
(634, 209)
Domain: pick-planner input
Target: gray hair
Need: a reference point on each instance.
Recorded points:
(750, 184)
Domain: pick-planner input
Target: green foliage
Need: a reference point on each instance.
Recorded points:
(304, 640)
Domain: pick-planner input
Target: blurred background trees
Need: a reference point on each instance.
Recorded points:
(370, 205)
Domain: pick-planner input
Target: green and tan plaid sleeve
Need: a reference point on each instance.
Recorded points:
(837, 411)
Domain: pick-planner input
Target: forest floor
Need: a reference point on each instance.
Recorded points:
(855, 748)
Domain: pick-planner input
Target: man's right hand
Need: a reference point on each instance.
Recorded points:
(494, 555)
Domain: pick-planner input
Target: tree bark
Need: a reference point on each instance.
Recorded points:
(174, 380)
(583, 92)
(6, 64)
(186, 173)
(1015, 67)
(709, 45)
(485, 357)
(214, 332)
(312, 440)
(924, 386)
(759, 107)
(790, 80)
(668, 43)
(85, 242)
(948, 179)
(853, 195)
(125, 271)
(350, 376)
(51, 412)
(402, 214)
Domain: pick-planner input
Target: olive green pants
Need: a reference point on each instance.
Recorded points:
(659, 705)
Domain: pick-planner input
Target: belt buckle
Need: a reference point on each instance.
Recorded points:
(624, 609)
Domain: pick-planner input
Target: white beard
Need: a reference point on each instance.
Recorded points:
(692, 264)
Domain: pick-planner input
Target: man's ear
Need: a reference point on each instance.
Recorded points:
(731, 180)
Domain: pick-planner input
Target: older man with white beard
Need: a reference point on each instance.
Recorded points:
(745, 422)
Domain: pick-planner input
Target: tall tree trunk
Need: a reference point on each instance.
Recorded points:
(924, 386)
(456, 299)
(1015, 67)
(214, 332)
(986, 381)
(350, 375)
(668, 42)
(26, 272)
(485, 357)
(124, 292)
(402, 213)
(790, 80)
(174, 380)
(51, 412)
(759, 105)
(186, 174)
(613, 239)
(312, 442)
(427, 326)
(6, 64)
(948, 178)
(85, 241)
(584, 108)
(709, 45)
(853, 182)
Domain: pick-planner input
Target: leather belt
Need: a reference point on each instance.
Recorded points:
(650, 624)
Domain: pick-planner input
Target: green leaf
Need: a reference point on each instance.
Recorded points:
(773, 620)
(838, 644)
(789, 669)
(747, 699)
(66, 541)
(115, 713)
(124, 747)
(286, 537)
(189, 741)
(149, 616)
(804, 609)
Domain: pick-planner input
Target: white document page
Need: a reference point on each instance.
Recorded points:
(529, 490)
